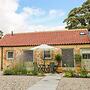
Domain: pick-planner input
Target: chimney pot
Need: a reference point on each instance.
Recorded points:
(12, 33)
(1, 34)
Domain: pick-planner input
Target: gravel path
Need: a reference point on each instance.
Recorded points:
(74, 84)
(24, 82)
(17, 82)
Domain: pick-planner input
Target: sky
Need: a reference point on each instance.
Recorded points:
(34, 15)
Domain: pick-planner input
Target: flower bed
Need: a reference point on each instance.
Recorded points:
(81, 74)
(21, 69)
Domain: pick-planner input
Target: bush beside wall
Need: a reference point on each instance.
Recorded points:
(82, 74)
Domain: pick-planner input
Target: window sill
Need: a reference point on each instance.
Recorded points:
(47, 58)
(10, 58)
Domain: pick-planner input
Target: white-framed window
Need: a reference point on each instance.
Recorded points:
(47, 54)
(10, 54)
(86, 55)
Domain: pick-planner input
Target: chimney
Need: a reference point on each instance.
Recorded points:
(1, 34)
(12, 33)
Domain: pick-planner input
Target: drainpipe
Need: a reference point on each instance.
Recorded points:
(1, 58)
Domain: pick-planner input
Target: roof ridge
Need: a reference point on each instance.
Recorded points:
(49, 31)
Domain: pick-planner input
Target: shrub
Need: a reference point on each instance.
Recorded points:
(58, 59)
(20, 69)
(17, 69)
(34, 72)
(29, 72)
(41, 74)
(83, 72)
(69, 73)
(88, 76)
(9, 72)
(78, 58)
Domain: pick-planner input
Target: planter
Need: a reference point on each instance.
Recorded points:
(58, 59)
(78, 64)
(77, 69)
(59, 69)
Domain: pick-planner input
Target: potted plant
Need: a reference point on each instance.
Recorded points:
(58, 59)
(78, 62)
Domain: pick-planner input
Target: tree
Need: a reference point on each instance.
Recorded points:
(79, 17)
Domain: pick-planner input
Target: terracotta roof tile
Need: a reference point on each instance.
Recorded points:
(51, 38)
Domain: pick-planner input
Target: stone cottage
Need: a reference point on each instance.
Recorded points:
(67, 42)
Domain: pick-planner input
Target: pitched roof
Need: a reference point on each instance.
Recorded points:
(52, 38)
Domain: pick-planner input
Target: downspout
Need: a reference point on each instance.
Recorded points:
(1, 58)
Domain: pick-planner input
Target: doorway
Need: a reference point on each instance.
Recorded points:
(67, 58)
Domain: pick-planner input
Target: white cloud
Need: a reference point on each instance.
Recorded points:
(38, 28)
(18, 22)
(33, 11)
(9, 19)
(56, 13)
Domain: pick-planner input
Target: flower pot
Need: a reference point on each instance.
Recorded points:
(59, 69)
(77, 69)
(78, 64)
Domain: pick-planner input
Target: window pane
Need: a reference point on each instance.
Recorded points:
(85, 56)
(88, 56)
(47, 54)
(10, 54)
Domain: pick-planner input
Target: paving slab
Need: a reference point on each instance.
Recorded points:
(50, 82)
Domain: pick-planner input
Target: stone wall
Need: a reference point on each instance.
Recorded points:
(38, 54)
